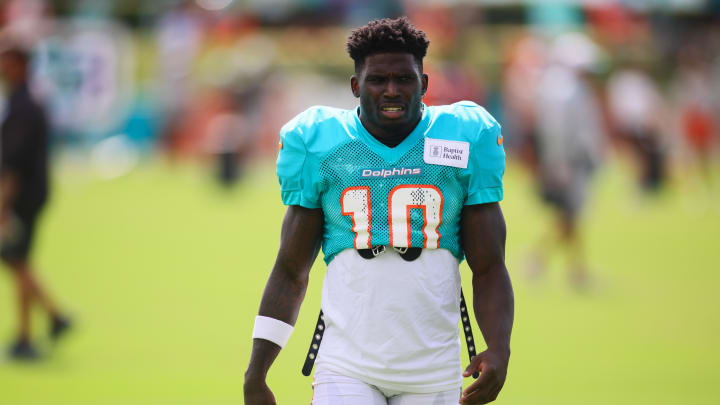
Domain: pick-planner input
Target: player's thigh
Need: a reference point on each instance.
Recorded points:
(341, 390)
(436, 398)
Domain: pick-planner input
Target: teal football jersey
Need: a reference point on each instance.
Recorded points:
(407, 196)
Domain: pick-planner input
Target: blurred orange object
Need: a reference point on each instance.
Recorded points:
(698, 127)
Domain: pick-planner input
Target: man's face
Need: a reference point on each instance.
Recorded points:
(390, 87)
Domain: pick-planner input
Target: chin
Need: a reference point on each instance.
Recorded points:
(394, 122)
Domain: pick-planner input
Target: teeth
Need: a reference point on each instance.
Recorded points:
(392, 109)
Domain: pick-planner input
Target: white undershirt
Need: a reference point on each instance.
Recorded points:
(393, 323)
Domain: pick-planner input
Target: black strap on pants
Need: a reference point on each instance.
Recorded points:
(314, 345)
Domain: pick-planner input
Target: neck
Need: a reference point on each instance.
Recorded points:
(390, 137)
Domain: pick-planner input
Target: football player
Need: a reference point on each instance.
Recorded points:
(23, 192)
(397, 194)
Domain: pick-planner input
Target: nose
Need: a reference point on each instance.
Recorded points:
(391, 89)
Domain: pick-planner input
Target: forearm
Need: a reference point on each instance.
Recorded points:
(494, 303)
(264, 353)
(287, 284)
(283, 295)
(281, 300)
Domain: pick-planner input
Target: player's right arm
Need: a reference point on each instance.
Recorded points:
(285, 289)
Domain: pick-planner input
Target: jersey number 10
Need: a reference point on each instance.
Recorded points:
(355, 202)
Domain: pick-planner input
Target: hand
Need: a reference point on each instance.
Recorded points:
(493, 370)
(258, 393)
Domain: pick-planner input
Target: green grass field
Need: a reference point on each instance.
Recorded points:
(163, 272)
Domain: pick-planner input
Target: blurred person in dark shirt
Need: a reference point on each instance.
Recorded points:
(570, 135)
(23, 192)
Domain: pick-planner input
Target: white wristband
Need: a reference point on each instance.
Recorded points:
(272, 329)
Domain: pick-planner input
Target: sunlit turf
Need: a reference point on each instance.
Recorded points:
(163, 271)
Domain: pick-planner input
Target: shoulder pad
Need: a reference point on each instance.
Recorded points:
(319, 128)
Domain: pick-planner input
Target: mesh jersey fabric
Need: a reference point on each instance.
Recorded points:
(372, 194)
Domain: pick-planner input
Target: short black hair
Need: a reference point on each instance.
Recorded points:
(387, 35)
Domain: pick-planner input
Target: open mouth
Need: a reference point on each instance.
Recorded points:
(392, 110)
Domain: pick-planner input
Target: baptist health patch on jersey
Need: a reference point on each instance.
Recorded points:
(447, 153)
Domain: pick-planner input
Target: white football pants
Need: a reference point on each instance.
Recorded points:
(334, 389)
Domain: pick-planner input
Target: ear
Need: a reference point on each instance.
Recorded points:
(424, 80)
(355, 86)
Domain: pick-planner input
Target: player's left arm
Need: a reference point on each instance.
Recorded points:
(483, 235)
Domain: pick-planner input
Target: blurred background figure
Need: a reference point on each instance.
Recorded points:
(525, 64)
(696, 103)
(638, 114)
(24, 190)
(570, 131)
(229, 141)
